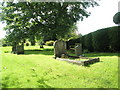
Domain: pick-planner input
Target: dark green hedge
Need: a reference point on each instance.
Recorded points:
(114, 36)
(88, 42)
(103, 40)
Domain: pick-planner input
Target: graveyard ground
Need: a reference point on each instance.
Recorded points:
(37, 69)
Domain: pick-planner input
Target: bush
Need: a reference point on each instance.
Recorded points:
(102, 40)
(88, 42)
(33, 43)
(27, 44)
(4, 45)
(41, 46)
(86, 51)
(72, 42)
(114, 38)
(49, 43)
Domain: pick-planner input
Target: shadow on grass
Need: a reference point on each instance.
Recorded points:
(38, 51)
(5, 82)
(42, 83)
(41, 80)
(89, 65)
(94, 54)
(9, 81)
(100, 54)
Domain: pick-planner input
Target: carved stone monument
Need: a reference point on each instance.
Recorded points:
(20, 49)
(78, 50)
(59, 48)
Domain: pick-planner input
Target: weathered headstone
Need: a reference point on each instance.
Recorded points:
(20, 49)
(78, 50)
(59, 48)
(14, 47)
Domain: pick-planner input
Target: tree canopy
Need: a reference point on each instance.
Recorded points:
(42, 19)
(116, 18)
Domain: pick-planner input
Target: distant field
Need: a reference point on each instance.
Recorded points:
(38, 69)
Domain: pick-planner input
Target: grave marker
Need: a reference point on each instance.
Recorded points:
(59, 48)
(78, 49)
(20, 49)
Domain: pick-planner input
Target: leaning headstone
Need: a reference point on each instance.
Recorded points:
(20, 49)
(78, 50)
(59, 48)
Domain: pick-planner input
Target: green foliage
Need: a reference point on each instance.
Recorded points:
(45, 19)
(4, 42)
(103, 40)
(4, 45)
(32, 40)
(88, 42)
(114, 33)
(27, 44)
(72, 34)
(37, 69)
(71, 43)
(49, 43)
(86, 51)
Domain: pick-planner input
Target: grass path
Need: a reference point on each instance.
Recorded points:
(37, 69)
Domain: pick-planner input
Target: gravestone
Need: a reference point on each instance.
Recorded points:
(78, 49)
(20, 49)
(14, 48)
(59, 48)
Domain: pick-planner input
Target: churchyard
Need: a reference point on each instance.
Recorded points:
(43, 49)
(37, 68)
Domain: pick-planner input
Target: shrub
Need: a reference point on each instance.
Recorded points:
(88, 42)
(114, 38)
(27, 44)
(41, 46)
(4, 45)
(49, 43)
(102, 40)
(86, 51)
(72, 42)
(33, 43)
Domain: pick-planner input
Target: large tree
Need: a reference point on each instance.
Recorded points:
(41, 19)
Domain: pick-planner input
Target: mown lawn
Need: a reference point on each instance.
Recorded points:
(38, 69)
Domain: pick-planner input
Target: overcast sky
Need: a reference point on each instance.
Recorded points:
(101, 17)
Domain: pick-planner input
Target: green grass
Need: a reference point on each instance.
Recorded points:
(38, 69)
